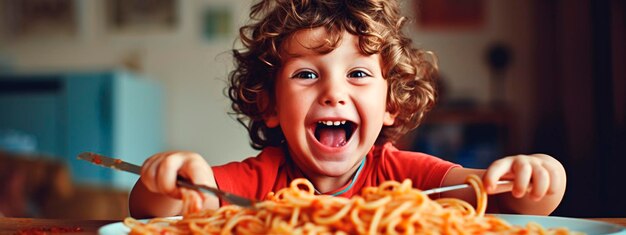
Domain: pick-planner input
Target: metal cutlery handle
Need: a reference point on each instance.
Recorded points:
(229, 197)
(455, 187)
(118, 164)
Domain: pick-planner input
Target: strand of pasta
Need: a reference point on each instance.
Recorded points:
(390, 208)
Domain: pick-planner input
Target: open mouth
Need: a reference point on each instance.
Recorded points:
(334, 133)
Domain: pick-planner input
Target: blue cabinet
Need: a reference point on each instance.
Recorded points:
(116, 113)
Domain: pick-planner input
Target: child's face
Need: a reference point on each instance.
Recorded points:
(343, 87)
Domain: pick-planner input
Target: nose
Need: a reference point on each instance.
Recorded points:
(334, 92)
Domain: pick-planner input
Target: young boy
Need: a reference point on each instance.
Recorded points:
(324, 88)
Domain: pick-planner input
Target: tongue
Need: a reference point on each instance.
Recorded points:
(333, 137)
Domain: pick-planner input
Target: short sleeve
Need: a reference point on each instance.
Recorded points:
(253, 177)
(426, 171)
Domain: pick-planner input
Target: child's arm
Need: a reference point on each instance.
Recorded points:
(155, 194)
(538, 184)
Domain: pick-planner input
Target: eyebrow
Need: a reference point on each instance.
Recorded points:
(300, 55)
(293, 55)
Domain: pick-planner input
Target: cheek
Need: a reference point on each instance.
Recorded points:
(294, 97)
(293, 103)
(373, 104)
(284, 96)
(381, 104)
(292, 108)
(381, 97)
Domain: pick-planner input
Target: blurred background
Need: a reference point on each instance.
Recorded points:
(129, 78)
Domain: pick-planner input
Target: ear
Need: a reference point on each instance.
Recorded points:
(271, 120)
(389, 119)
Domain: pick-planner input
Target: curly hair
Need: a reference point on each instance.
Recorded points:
(376, 23)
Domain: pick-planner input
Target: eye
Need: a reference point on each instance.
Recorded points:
(305, 75)
(358, 74)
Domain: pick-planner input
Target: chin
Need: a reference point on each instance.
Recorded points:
(334, 171)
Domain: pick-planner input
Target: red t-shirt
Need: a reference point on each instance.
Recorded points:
(270, 171)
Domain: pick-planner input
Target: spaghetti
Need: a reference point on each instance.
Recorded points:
(391, 208)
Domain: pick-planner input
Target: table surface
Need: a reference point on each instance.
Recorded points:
(16, 225)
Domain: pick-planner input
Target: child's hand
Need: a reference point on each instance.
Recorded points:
(159, 172)
(535, 175)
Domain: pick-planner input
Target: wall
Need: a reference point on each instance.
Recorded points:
(462, 62)
(193, 70)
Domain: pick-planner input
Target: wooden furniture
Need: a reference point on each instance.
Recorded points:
(112, 112)
(471, 136)
(32, 226)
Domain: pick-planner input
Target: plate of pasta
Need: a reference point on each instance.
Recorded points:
(391, 208)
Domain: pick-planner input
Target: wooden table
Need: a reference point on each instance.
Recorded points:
(32, 226)
(15, 225)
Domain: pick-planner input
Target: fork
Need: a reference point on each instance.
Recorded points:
(456, 187)
(118, 164)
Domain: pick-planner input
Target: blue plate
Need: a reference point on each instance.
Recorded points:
(573, 224)
(120, 229)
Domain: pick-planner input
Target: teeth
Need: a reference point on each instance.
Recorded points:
(332, 123)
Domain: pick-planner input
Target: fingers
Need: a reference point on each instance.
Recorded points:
(496, 172)
(197, 172)
(555, 171)
(166, 174)
(541, 180)
(160, 172)
(532, 175)
(523, 171)
(148, 173)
